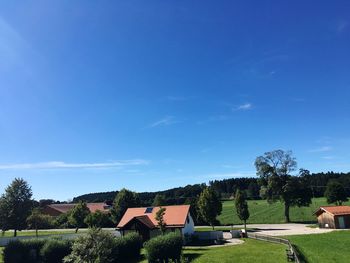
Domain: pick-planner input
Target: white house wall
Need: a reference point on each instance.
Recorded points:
(189, 226)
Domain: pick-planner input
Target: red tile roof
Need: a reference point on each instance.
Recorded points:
(93, 207)
(334, 210)
(175, 216)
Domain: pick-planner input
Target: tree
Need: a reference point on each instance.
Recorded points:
(274, 169)
(97, 219)
(335, 193)
(38, 221)
(15, 205)
(209, 205)
(125, 199)
(242, 208)
(159, 200)
(160, 219)
(78, 214)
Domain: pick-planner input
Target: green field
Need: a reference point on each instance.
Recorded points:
(261, 212)
(251, 251)
(40, 233)
(318, 248)
(1, 258)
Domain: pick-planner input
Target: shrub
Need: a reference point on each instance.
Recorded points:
(27, 251)
(55, 250)
(96, 246)
(164, 248)
(128, 247)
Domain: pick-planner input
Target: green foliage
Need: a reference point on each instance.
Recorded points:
(159, 200)
(242, 207)
(164, 248)
(39, 221)
(124, 200)
(78, 214)
(55, 250)
(15, 205)
(209, 206)
(27, 251)
(98, 219)
(160, 219)
(274, 169)
(94, 247)
(127, 248)
(335, 193)
(62, 221)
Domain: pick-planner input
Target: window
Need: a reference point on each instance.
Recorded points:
(149, 210)
(188, 219)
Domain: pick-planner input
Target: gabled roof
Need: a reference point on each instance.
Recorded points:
(175, 216)
(334, 210)
(93, 207)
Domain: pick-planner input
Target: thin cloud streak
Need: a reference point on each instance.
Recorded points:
(245, 106)
(63, 165)
(321, 149)
(166, 121)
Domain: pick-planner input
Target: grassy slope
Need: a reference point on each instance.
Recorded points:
(329, 247)
(41, 233)
(264, 213)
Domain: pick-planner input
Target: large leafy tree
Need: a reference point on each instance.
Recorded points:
(242, 208)
(78, 214)
(275, 171)
(37, 220)
(335, 193)
(15, 205)
(159, 200)
(125, 199)
(98, 220)
(209, 206)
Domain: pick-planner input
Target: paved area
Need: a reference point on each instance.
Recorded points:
(284, 229)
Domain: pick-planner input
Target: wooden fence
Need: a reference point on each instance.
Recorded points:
(279, 241)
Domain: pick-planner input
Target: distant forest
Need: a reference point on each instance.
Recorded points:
(226, 188)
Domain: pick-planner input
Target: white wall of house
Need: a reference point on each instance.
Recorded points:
(189, 226)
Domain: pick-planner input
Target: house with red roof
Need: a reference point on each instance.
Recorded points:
(333, 216)
(142, 220)
(58, 209)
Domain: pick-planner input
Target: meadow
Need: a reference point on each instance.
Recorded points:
(324, 248)
(261, 212)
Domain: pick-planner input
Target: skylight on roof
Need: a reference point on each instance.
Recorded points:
(149, 210)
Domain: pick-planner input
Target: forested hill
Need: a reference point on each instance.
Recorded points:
(179, 195)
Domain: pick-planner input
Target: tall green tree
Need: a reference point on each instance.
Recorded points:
(209, 206)
(78, 214)
(242, 208)
(98, 219)
(159, 200)
(160, 219)
(15, 205)
(335, 193)
(275, 171)
(37, 220)
(125, 199)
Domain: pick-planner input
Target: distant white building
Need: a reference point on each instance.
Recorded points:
(142, 220)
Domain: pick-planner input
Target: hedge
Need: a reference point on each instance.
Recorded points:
(55, 250)
(161, 249)
(127, 247)
(27, 251)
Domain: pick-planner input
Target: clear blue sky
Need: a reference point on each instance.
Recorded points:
(149, 95)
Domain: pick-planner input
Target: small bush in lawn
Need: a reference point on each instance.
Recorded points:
(128, 247)
(96, 246)
(27, 251)
(55, 250)
(164, 248)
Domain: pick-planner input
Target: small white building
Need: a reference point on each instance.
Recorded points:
(142, 220)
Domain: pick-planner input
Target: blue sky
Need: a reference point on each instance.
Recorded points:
(149, 95)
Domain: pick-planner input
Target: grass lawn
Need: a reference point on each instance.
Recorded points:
(1, 259)
(251, 251)
(41, 233)
(217, 228)
(327, 248)
(263, 213)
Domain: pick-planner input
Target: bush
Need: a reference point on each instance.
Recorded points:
(27, 251)
(128, 247)
(163, 248)
(55, 250)
(96, 246)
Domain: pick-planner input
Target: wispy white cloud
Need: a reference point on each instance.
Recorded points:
(328, 157)
(245, 106)
(321, 149)
(166, 121)
(64, 165)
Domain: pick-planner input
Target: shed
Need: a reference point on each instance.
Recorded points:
(337, 217)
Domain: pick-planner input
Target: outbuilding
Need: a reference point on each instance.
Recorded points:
(337, 217)
(142, 220)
